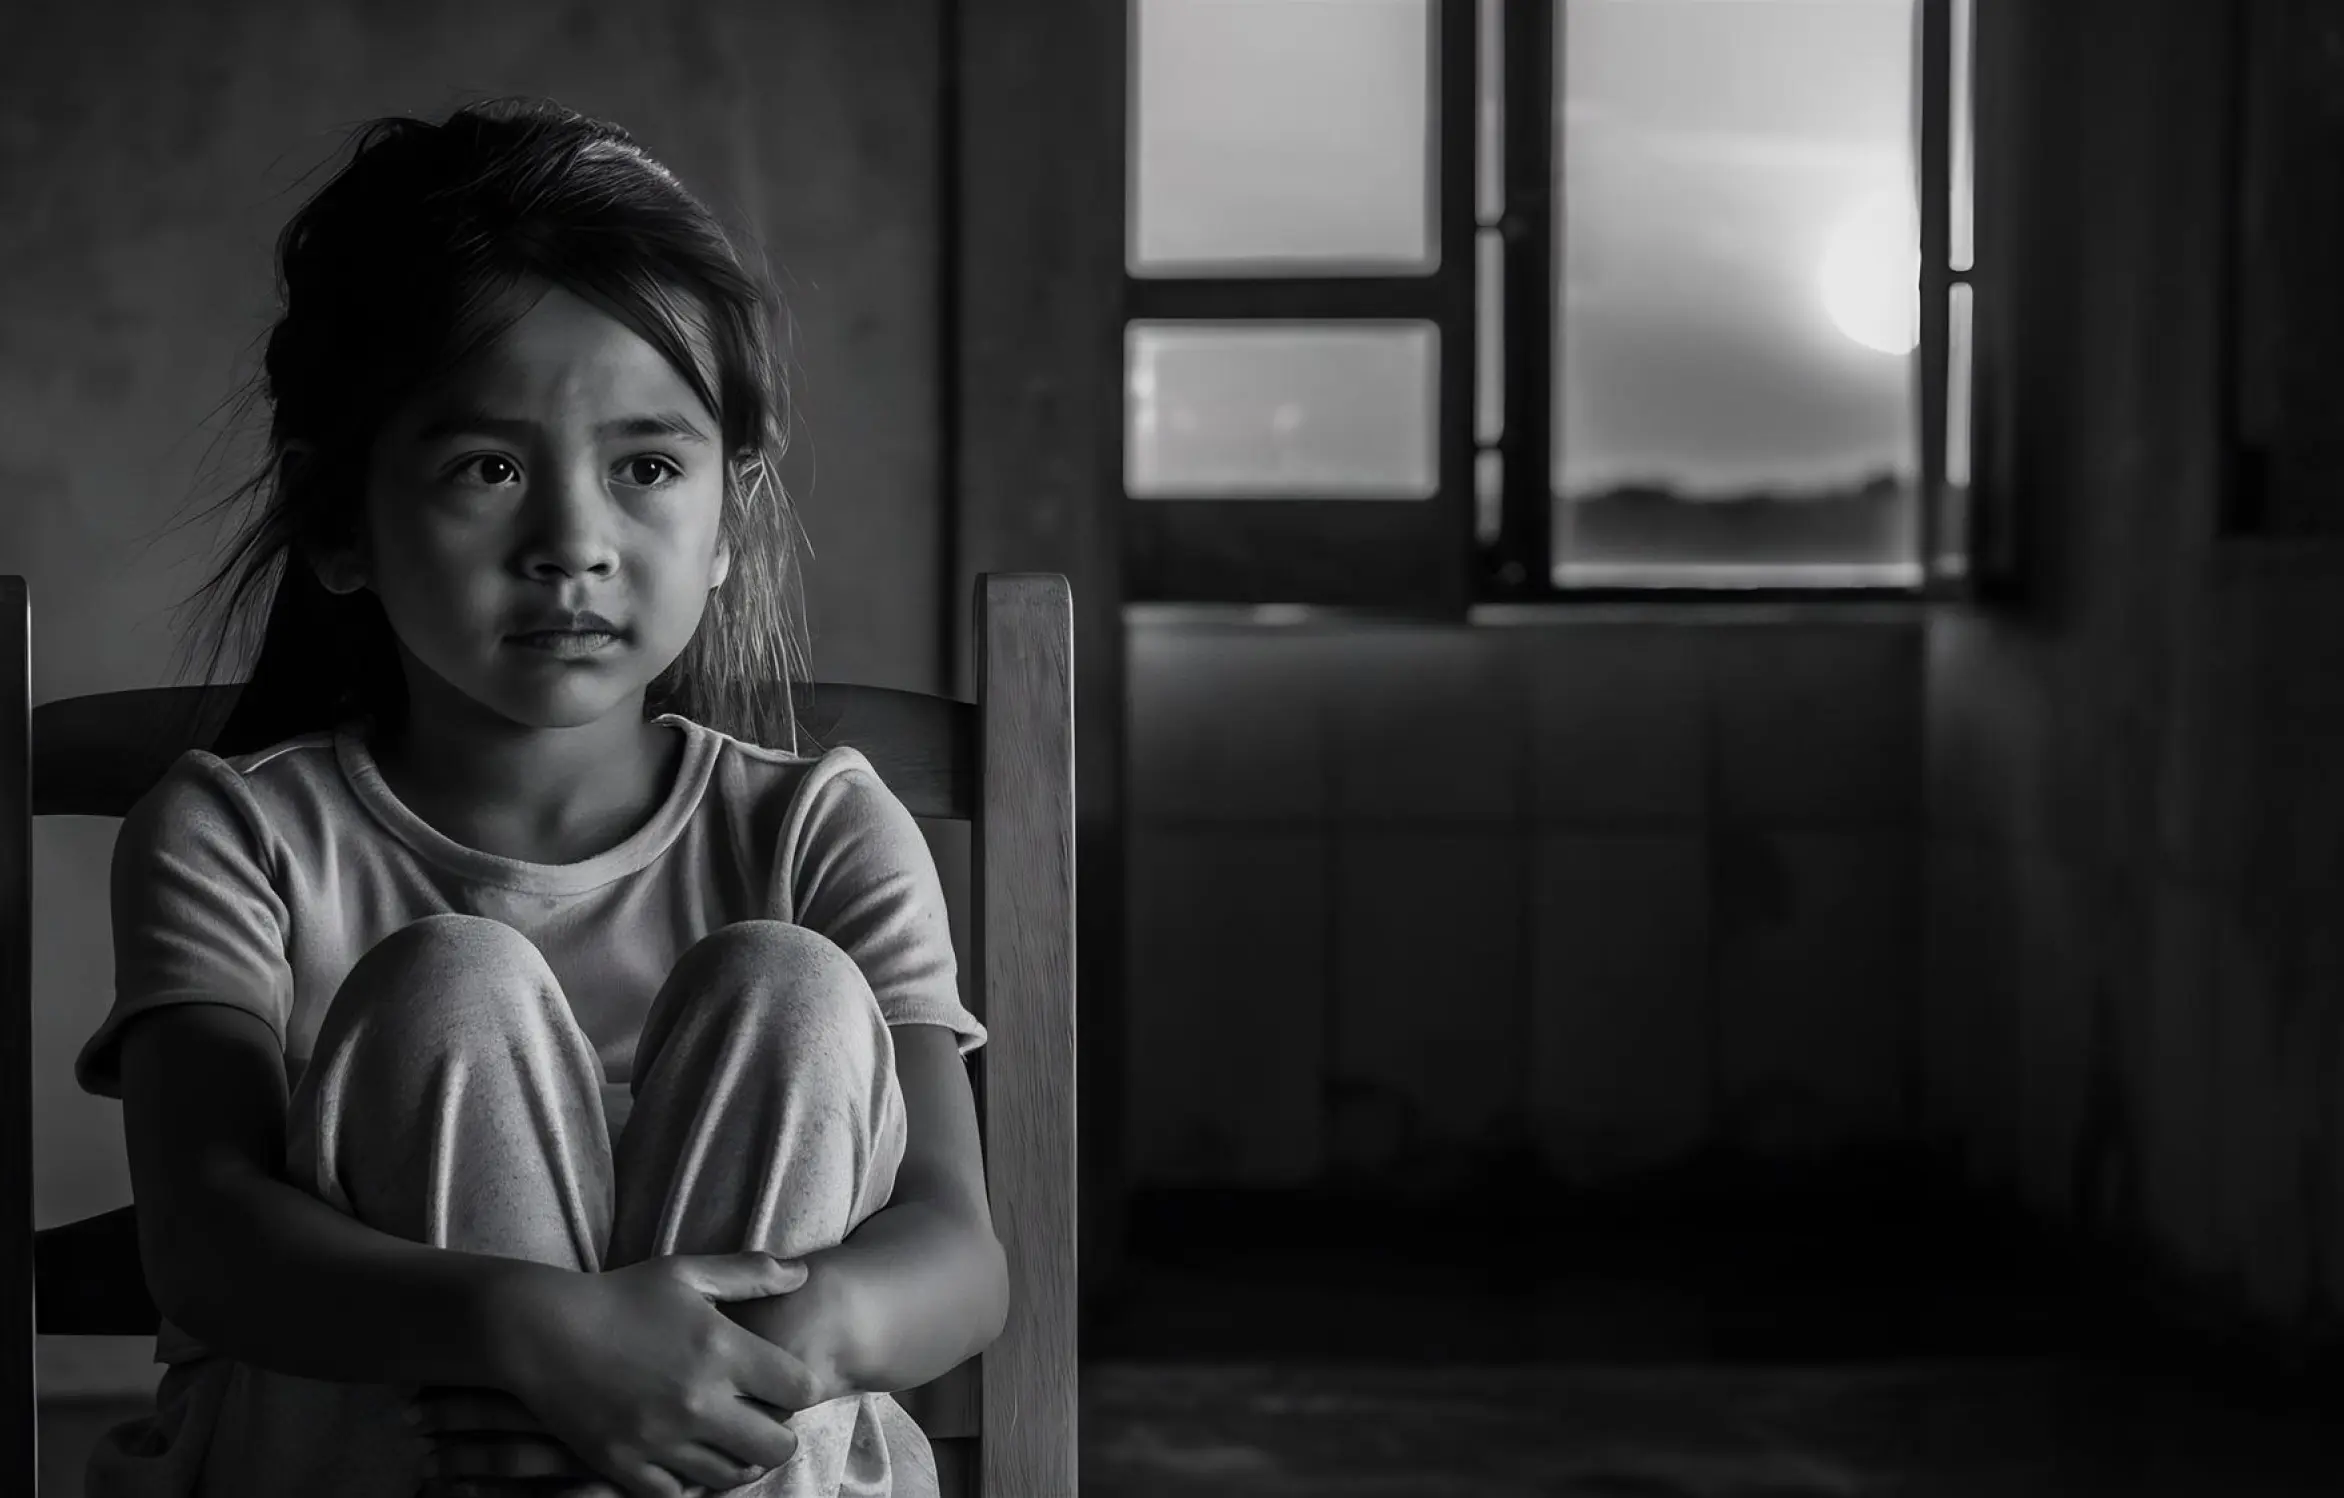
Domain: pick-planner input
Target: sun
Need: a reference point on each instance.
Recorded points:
(1871, 274)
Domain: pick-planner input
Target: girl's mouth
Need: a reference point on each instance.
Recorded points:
(568, 644)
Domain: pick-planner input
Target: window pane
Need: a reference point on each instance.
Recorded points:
(1337, 411)
(1959, 317)
(1489, 333)
(1273, 137)
(1489, 148)
(1953, 512)
(1737, 303)
(1964, 147)
(1489, 495)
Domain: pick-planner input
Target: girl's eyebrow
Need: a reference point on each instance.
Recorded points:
(470, 421)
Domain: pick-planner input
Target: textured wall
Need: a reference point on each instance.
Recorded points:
(1414, 903)
(2136, 997)
(150, 153)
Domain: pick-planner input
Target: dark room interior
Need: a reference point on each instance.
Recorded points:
(1707, 635)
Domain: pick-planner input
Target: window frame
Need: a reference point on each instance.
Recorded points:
(1423, 557)
(1406, 555)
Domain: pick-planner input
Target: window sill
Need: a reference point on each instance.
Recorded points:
(1900, 606)
(1690, 607)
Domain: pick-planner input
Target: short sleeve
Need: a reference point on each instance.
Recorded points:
(859, 871)
(197, 919)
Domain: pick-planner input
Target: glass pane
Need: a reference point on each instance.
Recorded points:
(1489, 337)
(1336, 411)
(1489, 493)
(1489, 188)
(1272, 137)
(1964, 124)
(1951, 544)
(1957, 386)
(1738, 293)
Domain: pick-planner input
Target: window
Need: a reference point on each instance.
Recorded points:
(1436, 302)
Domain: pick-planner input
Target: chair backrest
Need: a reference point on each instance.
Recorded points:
(1004, 763)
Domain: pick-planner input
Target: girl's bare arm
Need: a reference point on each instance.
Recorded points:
(257, 1268)
(922, 1284)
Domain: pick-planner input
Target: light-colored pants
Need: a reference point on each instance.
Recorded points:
(453, 1100)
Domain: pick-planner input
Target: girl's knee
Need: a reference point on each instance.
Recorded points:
(800, 983)
(762, 951)
(446, 964)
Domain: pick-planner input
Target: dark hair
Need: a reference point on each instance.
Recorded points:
(408, 262)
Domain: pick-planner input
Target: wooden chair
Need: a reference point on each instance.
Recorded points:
(1003, 1424)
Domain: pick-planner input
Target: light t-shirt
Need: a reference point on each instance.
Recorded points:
(259, 880)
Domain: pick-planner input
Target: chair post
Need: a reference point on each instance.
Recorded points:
(19, 1381)
(1023, 929)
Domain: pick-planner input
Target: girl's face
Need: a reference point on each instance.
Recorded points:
(568, 470)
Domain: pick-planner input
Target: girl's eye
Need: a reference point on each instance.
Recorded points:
(497, 470)
(641, 458)
(486, 462)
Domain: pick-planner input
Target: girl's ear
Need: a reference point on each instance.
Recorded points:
(720, 566)
(338, 571)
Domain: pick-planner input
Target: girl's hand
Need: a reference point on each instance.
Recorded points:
(820, 1324)
(489, 1434)
(639, 1375)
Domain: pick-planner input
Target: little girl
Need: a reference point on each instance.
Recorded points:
(532, 1082)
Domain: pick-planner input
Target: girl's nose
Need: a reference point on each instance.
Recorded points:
(570, 530)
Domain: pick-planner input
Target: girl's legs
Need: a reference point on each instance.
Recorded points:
(448, 1043)
(767, 1116)
(453, 1100)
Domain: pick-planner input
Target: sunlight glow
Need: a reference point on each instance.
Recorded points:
(1871, 274)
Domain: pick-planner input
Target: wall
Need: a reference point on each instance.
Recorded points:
(1618, 890)
(1034, 299)
(2135, 1016)
(151, 154)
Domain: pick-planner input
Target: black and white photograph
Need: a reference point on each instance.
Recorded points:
(1172, 749)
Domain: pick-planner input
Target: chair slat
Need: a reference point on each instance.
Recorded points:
(924, 747)
(90, 1282)
(95, 755)
(1023, 922)
(18, 1412)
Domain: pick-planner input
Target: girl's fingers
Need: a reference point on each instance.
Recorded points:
(765, 1373)
(754, 1435)
(654, 1482)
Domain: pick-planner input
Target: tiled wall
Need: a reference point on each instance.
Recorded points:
(1404, 897)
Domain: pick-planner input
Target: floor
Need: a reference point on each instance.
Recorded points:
(1967, 1430)
(1802, 1353)
(1982, 1430)
(1861, 1336)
